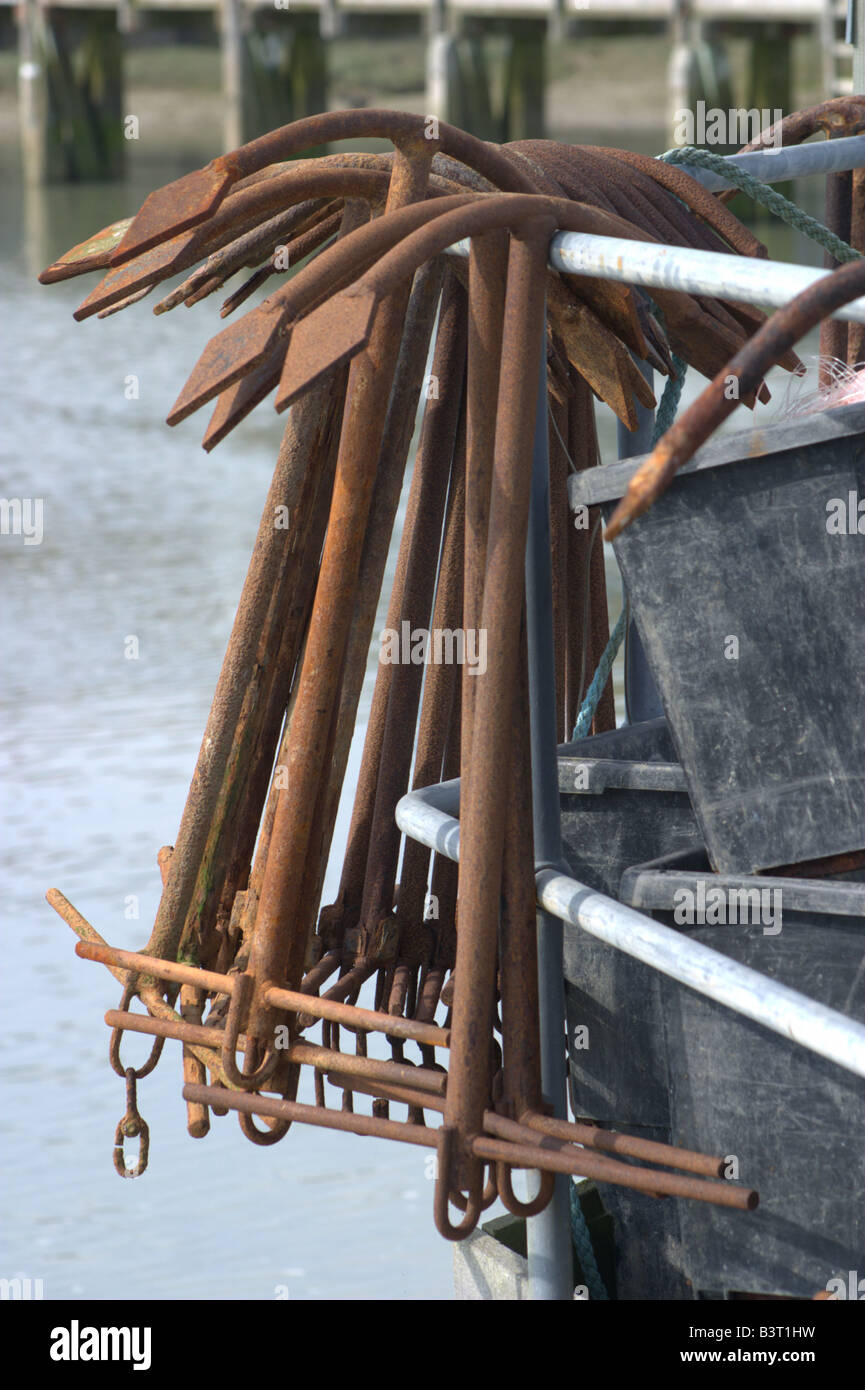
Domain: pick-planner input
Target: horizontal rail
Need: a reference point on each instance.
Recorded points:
(368, 1020)
(427, 815)
(781, 162)
(611, 11)
(770, 284)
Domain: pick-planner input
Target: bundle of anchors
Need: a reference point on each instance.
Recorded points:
(243, 961)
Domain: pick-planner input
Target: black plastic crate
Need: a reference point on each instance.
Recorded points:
(747, 583)
(632, 804)
(795, 1122)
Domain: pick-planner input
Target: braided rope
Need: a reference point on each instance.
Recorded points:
(585, 1249)
(765, 195)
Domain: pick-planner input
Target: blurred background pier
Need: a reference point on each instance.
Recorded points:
(490, 66)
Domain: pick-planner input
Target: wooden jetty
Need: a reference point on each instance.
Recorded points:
(274, 61)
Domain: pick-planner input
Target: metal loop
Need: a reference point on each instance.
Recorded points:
(248, 1079)
(132, 1126)
(277, 1129)
(513, 1203)
(490, 1193)
(443, 1194)
(114, 1045)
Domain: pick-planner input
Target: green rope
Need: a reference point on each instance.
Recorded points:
(762, 193)
(582, 1239)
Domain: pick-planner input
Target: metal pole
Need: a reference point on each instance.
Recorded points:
(778, 163)
(549, 1234)
(642, 700)
(727, 276)
(429, 816)
(857, 38)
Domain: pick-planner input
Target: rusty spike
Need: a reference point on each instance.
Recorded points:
(238, 349)
(325, 339)
(174, 208)
(149, 269)
(92, 254)
(239, 400)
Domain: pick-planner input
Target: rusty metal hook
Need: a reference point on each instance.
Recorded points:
(513, 1203)
(247, 1080)
(443, 1195)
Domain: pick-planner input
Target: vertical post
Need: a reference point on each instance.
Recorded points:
(232, 74)
(548, 1234)
(442, 73)
(858, 41)
(681, 71)
(70, 93)
(31, 93)
(827, 41)
(525, 79)
(770, 76)
(642, 700)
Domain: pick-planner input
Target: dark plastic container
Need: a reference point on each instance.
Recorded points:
(794, 1122)
(632, 803)
(747, 583)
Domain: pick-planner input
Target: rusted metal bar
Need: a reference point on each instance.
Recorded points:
(194, 1071)
(423, 529)
(632, 1146)
(279, 945)
(367, 1019)
(399, 425)
(482, 818)
(514, 1151)
(148, 965)
(383, 1090)
(326, 1059)
(419, 932)
(488, 263)
(313, 1115)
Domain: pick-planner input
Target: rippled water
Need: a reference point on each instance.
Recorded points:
(145, 536)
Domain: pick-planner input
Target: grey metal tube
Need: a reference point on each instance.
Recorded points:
(719, 273)
(775, 165)
(642, 700)
(428, 815)
(548, 1234)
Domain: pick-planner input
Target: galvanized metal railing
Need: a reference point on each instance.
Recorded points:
(429, 816)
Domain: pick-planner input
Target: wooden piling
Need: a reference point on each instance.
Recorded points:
(70, 94)
(525, 80)
(274, 66)
(770, 68)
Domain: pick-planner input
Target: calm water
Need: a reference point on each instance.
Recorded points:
(144, 536)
